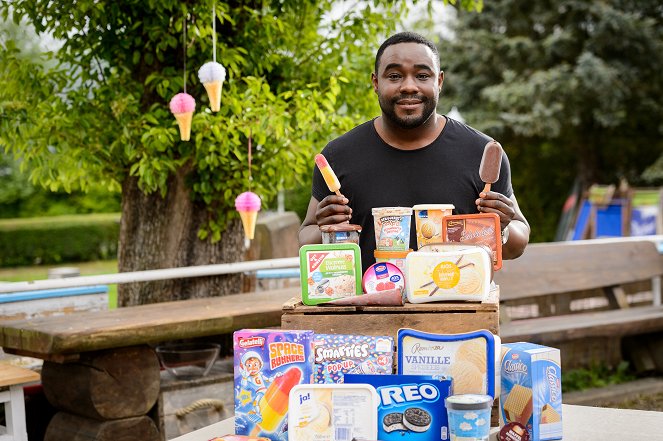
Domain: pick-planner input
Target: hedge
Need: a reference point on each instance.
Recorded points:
(59, 239)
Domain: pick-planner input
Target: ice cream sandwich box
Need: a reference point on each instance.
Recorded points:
(532, 389)
(329, 271)
(411, 407)
(470, 359)
(336, 355)
(475, 229)
(333, 412)
(268, 365)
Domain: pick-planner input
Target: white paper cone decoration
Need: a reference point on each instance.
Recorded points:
(212, 75)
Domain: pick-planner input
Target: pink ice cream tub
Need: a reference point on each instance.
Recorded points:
(382, 276)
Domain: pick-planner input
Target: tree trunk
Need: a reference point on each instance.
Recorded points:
(161, 232)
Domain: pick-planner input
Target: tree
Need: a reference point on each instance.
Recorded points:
(571, 88)
(101, 115)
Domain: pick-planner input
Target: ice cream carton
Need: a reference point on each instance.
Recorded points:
(532, 389)
(470, 359)
(411, 407)
(268, 364)
(335, 355)
(329, 271)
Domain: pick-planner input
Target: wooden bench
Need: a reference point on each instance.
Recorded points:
(583, 297)
(99, 369)
(12, 380)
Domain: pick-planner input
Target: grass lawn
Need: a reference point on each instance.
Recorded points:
(30, 273)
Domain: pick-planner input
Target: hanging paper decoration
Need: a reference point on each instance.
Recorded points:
(213, 74)
(183, 105)
(248, 204)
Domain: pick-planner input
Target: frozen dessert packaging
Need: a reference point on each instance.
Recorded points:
(328, 174)
(392, 228)
(182, 106)
(475, 229)
(329, 271)
(469, 416)
(459, 274)
(336, 355)
(328, 412)
(531, 395)
(428, 222)
(248, 205)
(268, 364)
(470, 359)
(394, 257)
(411, 406)
(382, 276)
(340, 233)
(212, 75)
(491, 162)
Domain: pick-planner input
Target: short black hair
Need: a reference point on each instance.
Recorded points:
(406, 37)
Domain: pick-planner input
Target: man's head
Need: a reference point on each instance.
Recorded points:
(406, 37)
(407, 80)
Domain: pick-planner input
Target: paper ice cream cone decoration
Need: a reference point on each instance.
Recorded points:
(182, 106)
(248, 205)
(212, 75)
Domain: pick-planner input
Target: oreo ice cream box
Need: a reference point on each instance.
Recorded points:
(411, 407)
(532, 389)
(268, 364)
(338, 354)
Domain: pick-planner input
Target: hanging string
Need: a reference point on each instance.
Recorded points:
(184, 46)
(249, 158)
(214, 32)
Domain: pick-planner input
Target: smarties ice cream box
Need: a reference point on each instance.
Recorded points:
(335, 355)
(329, 271)
(532, 389)
(268, 364)
(411, 407)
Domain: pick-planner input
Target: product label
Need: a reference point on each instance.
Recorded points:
(336, 355)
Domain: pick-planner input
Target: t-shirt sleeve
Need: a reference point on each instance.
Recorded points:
(503, 184)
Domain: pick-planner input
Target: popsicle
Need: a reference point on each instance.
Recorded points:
(274, 404)
(491, 161)
(328, 174)
(248, 205)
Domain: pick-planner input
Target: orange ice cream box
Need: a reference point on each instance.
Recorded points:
(481, 229)
(268, 364)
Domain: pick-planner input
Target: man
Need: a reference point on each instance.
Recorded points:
(410, 155)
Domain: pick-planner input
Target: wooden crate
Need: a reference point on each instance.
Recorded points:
(439, 317)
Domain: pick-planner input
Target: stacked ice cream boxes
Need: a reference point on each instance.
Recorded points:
(300, 386)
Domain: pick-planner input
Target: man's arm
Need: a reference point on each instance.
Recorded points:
(510, 217)
(331, 210)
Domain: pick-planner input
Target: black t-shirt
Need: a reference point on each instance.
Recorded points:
(374, 174)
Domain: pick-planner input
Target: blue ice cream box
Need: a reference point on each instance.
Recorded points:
(411, 407)
(531, 393)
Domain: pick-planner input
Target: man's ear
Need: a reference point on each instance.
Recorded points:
(374, 80)
(440, 80)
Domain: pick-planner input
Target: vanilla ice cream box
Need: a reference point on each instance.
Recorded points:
(411, 407)
(329, 271)
(470, 359)
(336, 355)
(268, 365)
(532, 389)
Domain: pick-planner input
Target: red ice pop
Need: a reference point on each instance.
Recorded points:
(491, 161)
(327, 173)
(274, 404)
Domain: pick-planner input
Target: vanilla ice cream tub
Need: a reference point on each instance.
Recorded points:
(392, 228)
(428, 222)
(471, 359)
(332, 412)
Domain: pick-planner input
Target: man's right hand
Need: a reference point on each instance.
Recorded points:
(331, 210)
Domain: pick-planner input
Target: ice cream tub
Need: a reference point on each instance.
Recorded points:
(382, 276)
(394, 257)
(475, 229)
(470, 359)
(332, 412)
(428, 222)
(392, 228)
(329, 271)
(469, 416)
(448, 275)
(340, 233)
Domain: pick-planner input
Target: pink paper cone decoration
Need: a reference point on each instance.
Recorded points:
(248, 205)
(183, 105)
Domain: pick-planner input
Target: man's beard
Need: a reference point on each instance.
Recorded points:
(409, 121)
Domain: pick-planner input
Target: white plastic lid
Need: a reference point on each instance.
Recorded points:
(391, 210)
(434, 207)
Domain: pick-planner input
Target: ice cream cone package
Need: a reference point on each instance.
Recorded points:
(212, 75)
(471, 359)
(475, 229)
(182, 106)
(461, 273)
(531, 395)
(268, 365)
(333, 412)
(248, 205)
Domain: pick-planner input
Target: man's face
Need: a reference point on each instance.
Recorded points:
(253, 366)
(408, 83)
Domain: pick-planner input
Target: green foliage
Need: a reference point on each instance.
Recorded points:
(596, 376)
(571, 89)
(58, 239)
